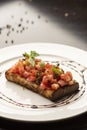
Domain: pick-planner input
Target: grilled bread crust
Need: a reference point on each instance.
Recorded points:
(48, 93)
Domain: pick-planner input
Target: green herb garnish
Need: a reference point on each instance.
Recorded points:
(31, 57)
(34, 54)
(57, 70)
(26, 55)
(42, 64)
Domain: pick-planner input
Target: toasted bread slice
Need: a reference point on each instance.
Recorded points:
(53, 95)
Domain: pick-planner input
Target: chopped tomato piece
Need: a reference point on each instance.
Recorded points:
(27, 68)
(67, 76)
(55, 86)
(31, 78)
(49, 76)
(25, 74)
(33, 72)
(62, 83)
(37, 60)
(43, 86)
(47, 79)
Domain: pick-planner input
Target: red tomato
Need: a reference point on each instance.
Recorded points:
(27, 68)
(62, 83)
(43, 86)
(31, 78)
(55, 86)
(14, 70)
(25, 74)
(47, 79)
(33, 72)
(19, 66)
(48, 65)
(67, 76)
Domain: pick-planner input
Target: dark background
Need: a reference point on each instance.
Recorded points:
(72, 14)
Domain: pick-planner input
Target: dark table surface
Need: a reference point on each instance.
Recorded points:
(68, 16)
(79, 122)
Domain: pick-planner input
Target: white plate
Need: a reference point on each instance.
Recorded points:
(21, 104)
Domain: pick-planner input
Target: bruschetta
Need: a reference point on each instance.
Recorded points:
(44, 78)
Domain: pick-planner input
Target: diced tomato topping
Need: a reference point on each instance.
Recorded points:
(55, 86)
(25, 74)
(37, 67)
(43, 86)
(62, 83)
(31, 78)
(37, 60)
(33, 72)
(14, 70)
(48, 75)
(48, 65)
(67, 76)
(27, 68)
(47, 79)
(18, 68)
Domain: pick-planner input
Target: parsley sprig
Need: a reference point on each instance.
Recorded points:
(31, 57)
